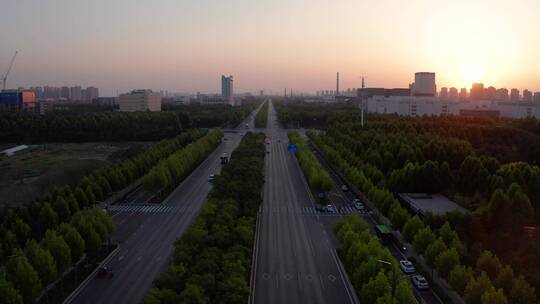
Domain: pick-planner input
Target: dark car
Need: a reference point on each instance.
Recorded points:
(105, 272)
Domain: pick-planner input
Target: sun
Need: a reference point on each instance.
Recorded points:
(472, 73)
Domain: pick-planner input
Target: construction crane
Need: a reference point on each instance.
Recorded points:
(4, 78)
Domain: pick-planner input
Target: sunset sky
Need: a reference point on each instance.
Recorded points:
(185, 46)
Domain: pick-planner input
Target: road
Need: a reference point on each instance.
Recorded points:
(342, 200)
(295, 258)
(146, 233)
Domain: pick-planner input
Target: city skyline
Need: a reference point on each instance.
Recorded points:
(269, 45)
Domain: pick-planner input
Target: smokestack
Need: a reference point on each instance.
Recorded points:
(337, 84)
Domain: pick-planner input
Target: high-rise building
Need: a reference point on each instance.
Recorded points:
(453, 94)
(92, 93)
(65, 93)
(463, 94)
(444, 92)
(477, 91)
(501, 94)
(140, 100)
(514, 95)
(424, 84)
(527, 96)
(76, 93)
(489, 93)
(227, 90)
(536, 97)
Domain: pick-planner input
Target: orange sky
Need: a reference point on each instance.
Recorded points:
(270, 44)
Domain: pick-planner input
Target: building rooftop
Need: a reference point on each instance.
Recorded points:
(435, 203)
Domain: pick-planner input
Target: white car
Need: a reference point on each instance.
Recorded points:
(330, 208)
(420, 282)
(406, 266)
(344, 188)
(211, 177)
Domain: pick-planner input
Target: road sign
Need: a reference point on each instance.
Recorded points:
(321, 194)
(292, 148)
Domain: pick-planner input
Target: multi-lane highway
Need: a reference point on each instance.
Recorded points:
(295, 258)
(146, 233)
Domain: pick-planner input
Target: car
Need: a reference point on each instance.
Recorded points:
(407, 267)
(359, 206)
(330, 208)
(211, 177)
(105, 272)
(344, 188)
(319, 208)
(420, 282)
(267, 151)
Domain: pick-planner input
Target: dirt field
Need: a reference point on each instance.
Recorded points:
(25, 176)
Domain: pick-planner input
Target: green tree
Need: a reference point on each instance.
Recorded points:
(81, 197)
(47, 217)
(460, 277)
(423, 238)
(62, 208)
(489, 263)
(22, 230)
(58, 248)
(193, 294)
(412, 227)
(398, 216)
(376, 287)
(505, 279)
(522, 292)
(447, 234)
(492, 296)
(24, 277)
(446, 261)
(42, 261)
(74, 240)
(476, 288)
(162, 296)
(433, 251)
(8, 294)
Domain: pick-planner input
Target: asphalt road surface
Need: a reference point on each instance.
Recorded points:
(146, 233)
(295, 260)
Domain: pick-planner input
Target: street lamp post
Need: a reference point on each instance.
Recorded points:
(394, 283)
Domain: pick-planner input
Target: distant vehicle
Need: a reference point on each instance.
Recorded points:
(224, 158)
(359, 206)
(246, 126)
(330, 208)
(105, 272)
(420, 282)
(278, 140)
(406, 266)
(211, 177)
(344, 188)
(319, 208)
(383, 233)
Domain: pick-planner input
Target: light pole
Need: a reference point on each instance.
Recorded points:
(394, 283)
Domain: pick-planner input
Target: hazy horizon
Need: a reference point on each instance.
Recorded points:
(271, 45)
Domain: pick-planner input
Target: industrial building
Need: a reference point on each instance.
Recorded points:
(140, 100)
(424, 84)
(17, 101)
(422, 203)
(422, 99)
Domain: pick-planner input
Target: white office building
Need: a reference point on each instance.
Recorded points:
(139, 101)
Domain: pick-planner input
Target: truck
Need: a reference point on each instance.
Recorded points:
(224, 158)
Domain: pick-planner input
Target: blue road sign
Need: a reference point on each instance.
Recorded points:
(292, 148)
(321, 194)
